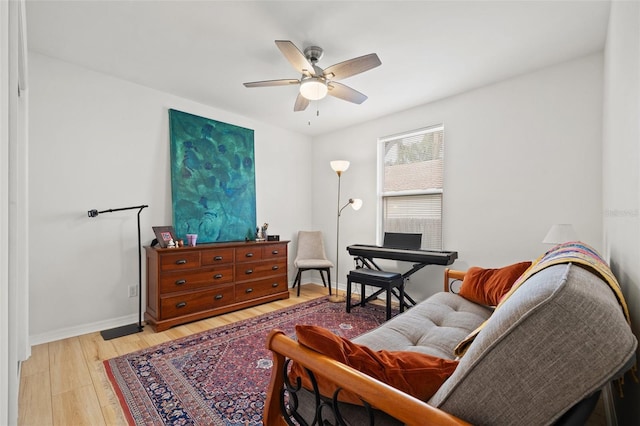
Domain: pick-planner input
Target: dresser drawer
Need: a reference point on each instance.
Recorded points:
(257, 270)
(217, 256)
(259, 288)
(189, 303)
(178, 261)
(248, 254)
(192, 283)
(190, 280)
(274, 251)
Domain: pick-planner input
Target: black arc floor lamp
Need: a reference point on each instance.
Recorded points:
(126, 330)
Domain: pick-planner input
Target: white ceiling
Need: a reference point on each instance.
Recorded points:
(205, 50)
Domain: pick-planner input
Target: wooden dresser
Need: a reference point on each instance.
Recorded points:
(191, 283)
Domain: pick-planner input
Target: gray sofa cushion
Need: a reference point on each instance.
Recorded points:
(434, 326)
(560, 337)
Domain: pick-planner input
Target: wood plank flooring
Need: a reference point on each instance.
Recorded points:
(64, 382)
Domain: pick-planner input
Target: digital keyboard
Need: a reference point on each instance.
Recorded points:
(427, 257)
(365, 255)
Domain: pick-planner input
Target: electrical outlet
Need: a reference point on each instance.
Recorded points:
(133, 291)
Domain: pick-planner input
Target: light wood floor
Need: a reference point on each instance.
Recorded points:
(64, 382)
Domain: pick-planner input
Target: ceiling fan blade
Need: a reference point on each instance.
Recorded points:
(345, 93)
(295, 57)
(301, 103)
(268, 83)
(352, 67)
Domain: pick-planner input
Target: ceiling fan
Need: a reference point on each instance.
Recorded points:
(315, 83)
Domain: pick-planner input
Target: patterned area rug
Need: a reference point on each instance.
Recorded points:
(220, 377)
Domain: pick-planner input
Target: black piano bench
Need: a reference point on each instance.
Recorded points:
(385, 281)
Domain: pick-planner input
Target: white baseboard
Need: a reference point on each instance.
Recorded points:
(65, 333)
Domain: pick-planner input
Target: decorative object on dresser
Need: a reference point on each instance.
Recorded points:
(126, 330)
(340, 166)
(191, 283)
(164, 234)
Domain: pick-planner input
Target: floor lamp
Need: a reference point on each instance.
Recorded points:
(126, 330)
(340, 166)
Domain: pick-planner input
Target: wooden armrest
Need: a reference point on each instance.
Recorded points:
(397, 404)
(452, 274)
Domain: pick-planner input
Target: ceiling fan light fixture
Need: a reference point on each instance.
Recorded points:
(316, 83)
(313, 89)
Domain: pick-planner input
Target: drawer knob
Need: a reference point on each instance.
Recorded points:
(218, 296)
(217, 258)
(275, 252)
(274, 285)
(181, 262)
(181, 305)
(249, 255)
(249, 290)
(275, 267)
(249, 271)
(181, 282)
(217, 276)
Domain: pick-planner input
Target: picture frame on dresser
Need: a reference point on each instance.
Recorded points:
(164, 234)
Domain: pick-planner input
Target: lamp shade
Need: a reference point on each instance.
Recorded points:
(356, 203)
(339, 166)
(313, 89)
(560, 233)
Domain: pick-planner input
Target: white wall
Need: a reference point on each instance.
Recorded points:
(100, 142)
(621, 161)
(520, 155)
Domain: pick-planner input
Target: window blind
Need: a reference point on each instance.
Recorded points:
(411, 186)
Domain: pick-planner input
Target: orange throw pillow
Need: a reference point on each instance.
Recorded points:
(487, 286)
(414, 373)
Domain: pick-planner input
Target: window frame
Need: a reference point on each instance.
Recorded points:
(381, 195)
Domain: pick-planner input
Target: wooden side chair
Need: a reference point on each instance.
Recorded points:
(311, 255)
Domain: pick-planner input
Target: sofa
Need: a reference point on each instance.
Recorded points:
(557, 337)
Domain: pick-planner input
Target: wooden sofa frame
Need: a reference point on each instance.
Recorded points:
(374, 393)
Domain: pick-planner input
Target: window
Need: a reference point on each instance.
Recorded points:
(410, 176)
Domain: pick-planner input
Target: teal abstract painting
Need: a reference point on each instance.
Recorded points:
(212, 179)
